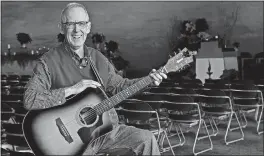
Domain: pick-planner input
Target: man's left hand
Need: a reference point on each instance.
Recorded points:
(158, 77)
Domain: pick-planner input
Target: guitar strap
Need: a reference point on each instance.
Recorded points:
(112, 113)
(95, 71)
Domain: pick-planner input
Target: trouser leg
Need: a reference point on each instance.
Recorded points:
(142, 142)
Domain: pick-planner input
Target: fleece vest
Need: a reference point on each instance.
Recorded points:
(65, 72)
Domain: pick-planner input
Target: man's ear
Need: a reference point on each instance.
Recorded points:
(89, 25)
(61, 28)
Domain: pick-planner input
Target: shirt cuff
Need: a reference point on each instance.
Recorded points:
(60, 96)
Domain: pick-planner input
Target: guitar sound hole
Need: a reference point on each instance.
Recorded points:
(87, 116)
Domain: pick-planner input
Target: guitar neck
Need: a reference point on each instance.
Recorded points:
(109, 103)
(174, 64)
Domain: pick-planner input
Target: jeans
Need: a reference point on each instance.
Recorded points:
(141, 142)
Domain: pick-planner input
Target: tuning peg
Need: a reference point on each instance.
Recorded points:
(184, 49)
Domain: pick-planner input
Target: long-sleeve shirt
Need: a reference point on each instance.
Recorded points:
(40, 95)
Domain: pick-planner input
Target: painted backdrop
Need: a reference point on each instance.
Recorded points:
(140, 27)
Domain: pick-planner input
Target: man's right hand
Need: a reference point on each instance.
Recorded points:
(81, 86)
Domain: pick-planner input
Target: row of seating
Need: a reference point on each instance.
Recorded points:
(173, 104)
(12, 115)
(14, 80)
(193, 103)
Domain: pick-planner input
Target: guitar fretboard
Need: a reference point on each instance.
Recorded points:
(107, 104)
(174, 64)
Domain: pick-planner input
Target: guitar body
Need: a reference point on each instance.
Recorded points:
(60, 130)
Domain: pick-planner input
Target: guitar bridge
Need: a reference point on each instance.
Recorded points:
(63, 130)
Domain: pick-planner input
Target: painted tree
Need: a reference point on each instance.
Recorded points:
(201, 25)
(23, 39)
(229, 16)
(174, 32)
(60, 37)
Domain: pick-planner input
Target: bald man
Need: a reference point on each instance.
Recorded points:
(65, 71)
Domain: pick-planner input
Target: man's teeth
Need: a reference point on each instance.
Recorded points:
(76, 37)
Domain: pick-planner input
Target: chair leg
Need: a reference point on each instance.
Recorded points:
(161, 138)
(182, 135)
(170, 129)
(176, 126)
(215, 125)
(214, 128)
(165, 149)
(256, 113)
(259, 121)
(228, 129)
(196, 138)
(245, 119)
(169, 143)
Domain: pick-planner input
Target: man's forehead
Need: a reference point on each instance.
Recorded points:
(76, 14)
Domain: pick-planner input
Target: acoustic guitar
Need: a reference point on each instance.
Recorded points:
(68, 129)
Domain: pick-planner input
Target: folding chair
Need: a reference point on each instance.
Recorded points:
(183, 110)
(245, 97)
(194, 81)
(211, 81)
(12, 98)
(218, 106)
(20, 113)
(17, 90)
(138, 113)
(155, 101)
(4, 82)
(16, 105)
(6, 152)
(260, 86)
(3, 76)
(15, 140)
(194, 86)
(7, 114)
(223, 85)
(158, 90)
(185, 91)
(5, 91)
(116, 152)
(16, 102)
(13, 77)
(24, 79)
(13, 80)
(168, 84)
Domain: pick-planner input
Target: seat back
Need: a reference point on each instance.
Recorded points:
(246, 94)
(153, 99)
(158, 90)
(181, 103)
(214, 98)
(12, 98)
(168, 84)
(6, 112)
(136, 110)
(247, 90)
(17, 90)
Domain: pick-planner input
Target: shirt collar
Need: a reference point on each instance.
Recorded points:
(73, 54)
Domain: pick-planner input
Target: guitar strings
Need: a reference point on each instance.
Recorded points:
(91, 114)
(101, 107)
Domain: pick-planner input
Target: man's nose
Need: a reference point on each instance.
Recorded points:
(76, 27)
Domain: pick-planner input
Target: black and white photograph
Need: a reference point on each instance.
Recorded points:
(123, 78)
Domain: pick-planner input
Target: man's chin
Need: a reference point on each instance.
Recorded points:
(75, 47)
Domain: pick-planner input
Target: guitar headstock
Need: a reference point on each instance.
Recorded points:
(179, 61)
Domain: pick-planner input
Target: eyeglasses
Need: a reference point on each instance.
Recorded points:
(81, 24)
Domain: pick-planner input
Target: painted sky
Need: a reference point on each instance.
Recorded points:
(140, 27)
